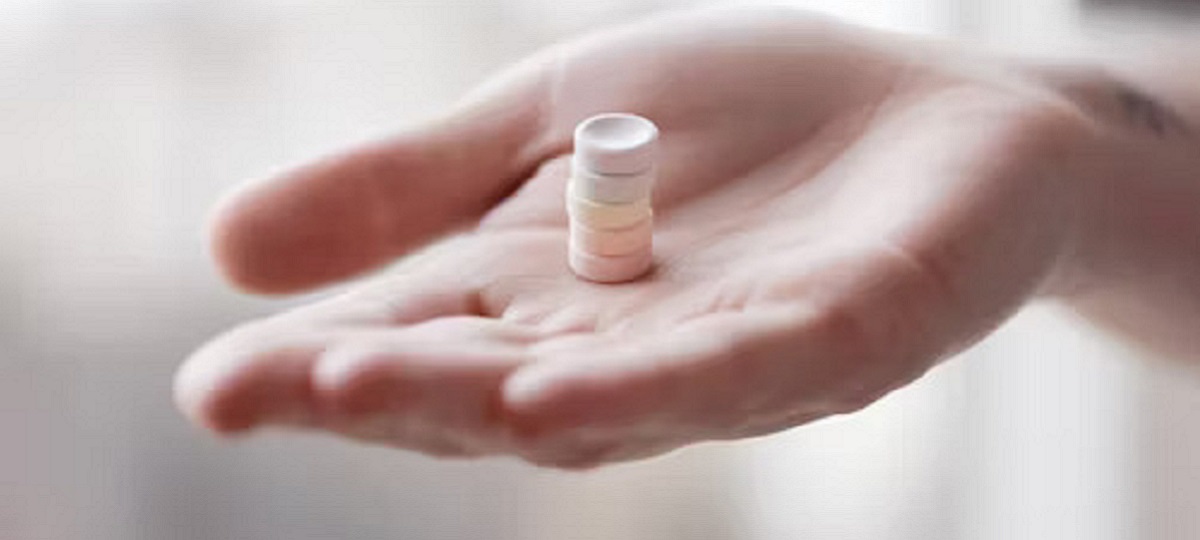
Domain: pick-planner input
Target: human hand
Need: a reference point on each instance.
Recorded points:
(837, 210)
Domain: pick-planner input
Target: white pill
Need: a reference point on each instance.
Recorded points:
(616, 144)
(612, 189)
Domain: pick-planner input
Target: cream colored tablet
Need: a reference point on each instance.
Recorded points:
(606, 216)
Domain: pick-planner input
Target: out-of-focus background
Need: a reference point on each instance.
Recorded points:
(121, 122)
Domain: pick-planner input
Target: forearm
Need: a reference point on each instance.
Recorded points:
(1135, 263)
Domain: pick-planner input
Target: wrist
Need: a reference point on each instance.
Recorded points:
(1134, 181)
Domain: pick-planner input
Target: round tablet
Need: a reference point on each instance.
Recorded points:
(606, 216)
(612, 188)
(611, 269)
(616, 143)
(612, 242)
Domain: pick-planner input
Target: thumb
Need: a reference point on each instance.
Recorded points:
(356, 210)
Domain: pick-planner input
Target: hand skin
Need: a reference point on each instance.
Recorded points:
(838, 210)
(1136, 268)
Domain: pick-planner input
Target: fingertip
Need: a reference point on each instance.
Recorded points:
(229, 232)
(266, 238)
(236, 237)
(330, 219)
(203, 392)
(245, 379)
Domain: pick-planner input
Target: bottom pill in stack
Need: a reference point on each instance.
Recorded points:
(611, 269)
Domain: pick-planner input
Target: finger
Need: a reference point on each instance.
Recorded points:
(433, 385)
(703, 376)
(356, 210)
(251, 376)
(260, 373)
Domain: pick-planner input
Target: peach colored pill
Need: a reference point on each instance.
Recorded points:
(611, 242)
(611, 269)
(606, 216)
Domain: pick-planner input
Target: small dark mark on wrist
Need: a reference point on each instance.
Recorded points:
(1149, 112)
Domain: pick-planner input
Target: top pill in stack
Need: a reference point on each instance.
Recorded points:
(614, 159)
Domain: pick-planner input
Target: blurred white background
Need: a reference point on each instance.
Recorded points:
(121, 122)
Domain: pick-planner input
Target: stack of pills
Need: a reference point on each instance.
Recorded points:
(608, 198)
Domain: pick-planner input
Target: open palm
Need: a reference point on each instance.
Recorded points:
(836, 211)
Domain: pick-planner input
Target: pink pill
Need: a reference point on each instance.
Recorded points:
(612, 242)
(611, 269)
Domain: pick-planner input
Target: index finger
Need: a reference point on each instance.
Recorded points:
(358, 209)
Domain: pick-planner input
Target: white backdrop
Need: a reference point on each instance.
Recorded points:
(122, 121)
